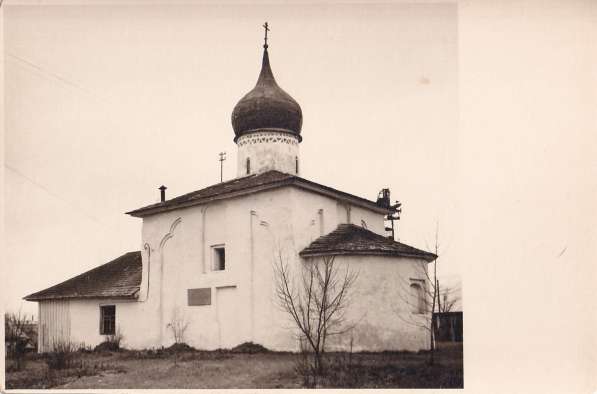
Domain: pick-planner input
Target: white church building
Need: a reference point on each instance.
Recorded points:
(208, 256)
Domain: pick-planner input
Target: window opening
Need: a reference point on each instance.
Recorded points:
(107, 319)
(418, 298)
(219, 258)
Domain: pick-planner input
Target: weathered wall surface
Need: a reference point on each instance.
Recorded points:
(182, 254)
(361, 217)
(85, 322)
(381, 305)
(257, 229)
(267, 150)
(54, 323)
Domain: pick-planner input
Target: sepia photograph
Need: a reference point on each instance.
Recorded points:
(231, 196)
(285, 195)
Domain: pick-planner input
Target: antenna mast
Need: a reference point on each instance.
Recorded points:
(222, 158)
(383, 200)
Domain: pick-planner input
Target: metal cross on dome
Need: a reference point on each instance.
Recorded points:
(266, 27)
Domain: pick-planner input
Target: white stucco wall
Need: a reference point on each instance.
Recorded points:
(185, 253)
(177, 256)
(373, 221)
(85, 322)
(381, 306)
(78, 321)
(379, 314)
(267, 150)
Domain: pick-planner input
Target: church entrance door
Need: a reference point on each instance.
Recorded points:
(229, 322)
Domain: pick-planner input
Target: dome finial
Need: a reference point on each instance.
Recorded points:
(266, 27)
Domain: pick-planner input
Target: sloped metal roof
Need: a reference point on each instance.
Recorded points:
(349, 239)
(120, 278)
(252, 184)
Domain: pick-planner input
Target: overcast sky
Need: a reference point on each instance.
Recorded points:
(104, 104)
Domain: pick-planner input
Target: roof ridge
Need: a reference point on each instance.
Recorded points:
(196, 191)
(268, 179)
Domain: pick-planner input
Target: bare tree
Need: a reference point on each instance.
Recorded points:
(178, 325)
(444, 327)
(16, 337)
(421, 296)
(448, 298)
(316, 299)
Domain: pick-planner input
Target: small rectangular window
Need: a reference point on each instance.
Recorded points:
(107, 319)
(219, 258)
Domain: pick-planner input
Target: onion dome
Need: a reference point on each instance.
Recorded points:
(267, 106)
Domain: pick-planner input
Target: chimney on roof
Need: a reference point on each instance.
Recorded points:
(162, 193)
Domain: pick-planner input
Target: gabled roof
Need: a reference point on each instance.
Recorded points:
(120, 278)
(252, 184)
(349, 239)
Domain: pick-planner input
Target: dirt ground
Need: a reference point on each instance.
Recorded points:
(224, 369)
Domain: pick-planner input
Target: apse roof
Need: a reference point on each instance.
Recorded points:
(350, 239)
(119, 278)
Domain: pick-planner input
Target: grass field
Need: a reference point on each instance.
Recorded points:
(225, 369)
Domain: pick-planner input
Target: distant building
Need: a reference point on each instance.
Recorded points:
(448, 326)
(207, 255)
(26, 334)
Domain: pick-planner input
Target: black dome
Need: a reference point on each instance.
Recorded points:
(267, 106)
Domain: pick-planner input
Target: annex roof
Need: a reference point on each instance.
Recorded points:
(252, 184)
(349, 239)
(120, 278)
